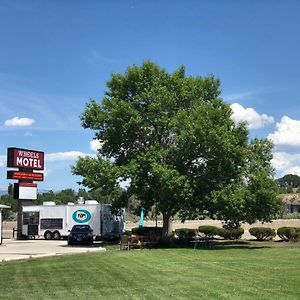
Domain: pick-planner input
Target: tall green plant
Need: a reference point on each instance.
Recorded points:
(173, 140)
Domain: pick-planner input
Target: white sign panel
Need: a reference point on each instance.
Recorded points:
(27, 193)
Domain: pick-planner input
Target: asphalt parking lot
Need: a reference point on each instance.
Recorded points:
(12, 249)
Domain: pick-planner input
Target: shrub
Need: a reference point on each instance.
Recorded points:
(296, 235)
(136, 230)
(294, 215)
(147, 230)
(209, 231)
(231, 233)
(262, 233)
(285, 233)
(185, 232)
(289, 233)
(185, 235)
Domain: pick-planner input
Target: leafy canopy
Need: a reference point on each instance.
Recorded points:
(173, 139)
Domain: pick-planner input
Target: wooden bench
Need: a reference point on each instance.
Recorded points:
(142, 241)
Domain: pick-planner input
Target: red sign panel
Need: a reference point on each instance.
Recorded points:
(23, 184)
(24, 158)
(25, 175)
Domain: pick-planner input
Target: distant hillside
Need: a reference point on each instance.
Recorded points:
(289, 181)
(40, 191)
(288, 184)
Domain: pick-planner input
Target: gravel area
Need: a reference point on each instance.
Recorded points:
(8, 226)
(195, 224)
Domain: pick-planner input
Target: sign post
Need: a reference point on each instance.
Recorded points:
(25, 190)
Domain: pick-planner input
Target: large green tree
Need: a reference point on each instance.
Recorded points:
(172, 137)
(254, 197)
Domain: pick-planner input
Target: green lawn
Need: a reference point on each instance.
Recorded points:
(268, 273)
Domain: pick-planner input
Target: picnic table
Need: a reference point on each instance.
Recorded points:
(138, 241)
(144, 240)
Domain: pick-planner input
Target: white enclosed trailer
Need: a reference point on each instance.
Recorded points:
(54, 221)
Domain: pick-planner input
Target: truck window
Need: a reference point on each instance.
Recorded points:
(56, 223)
(30, 218)
(25, 218)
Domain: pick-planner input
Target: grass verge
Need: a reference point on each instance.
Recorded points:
(240, 273)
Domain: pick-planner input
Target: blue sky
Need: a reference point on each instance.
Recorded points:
(55, 55)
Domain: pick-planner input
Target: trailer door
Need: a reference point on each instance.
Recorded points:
(31, 220)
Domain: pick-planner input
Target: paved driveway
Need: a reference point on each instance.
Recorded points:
(12, 249)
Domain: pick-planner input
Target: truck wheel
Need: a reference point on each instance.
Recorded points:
(56, 235)
(48, 235)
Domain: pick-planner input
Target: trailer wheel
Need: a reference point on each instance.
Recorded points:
(48, 235)
(56, 235)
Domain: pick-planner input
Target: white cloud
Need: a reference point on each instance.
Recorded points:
(96, 145)
(16, 121)
(238, 96)
(60, 156)
(254, 119)
(287, 132)
(294, 170)
(283, 160)
(286, 163)
(43, 105)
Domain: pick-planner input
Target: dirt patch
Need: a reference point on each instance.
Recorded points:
(196, 223)
(8, 226)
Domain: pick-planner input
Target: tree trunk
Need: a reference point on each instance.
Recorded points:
(167, 228)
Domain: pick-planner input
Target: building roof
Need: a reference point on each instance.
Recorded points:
(4, 206)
